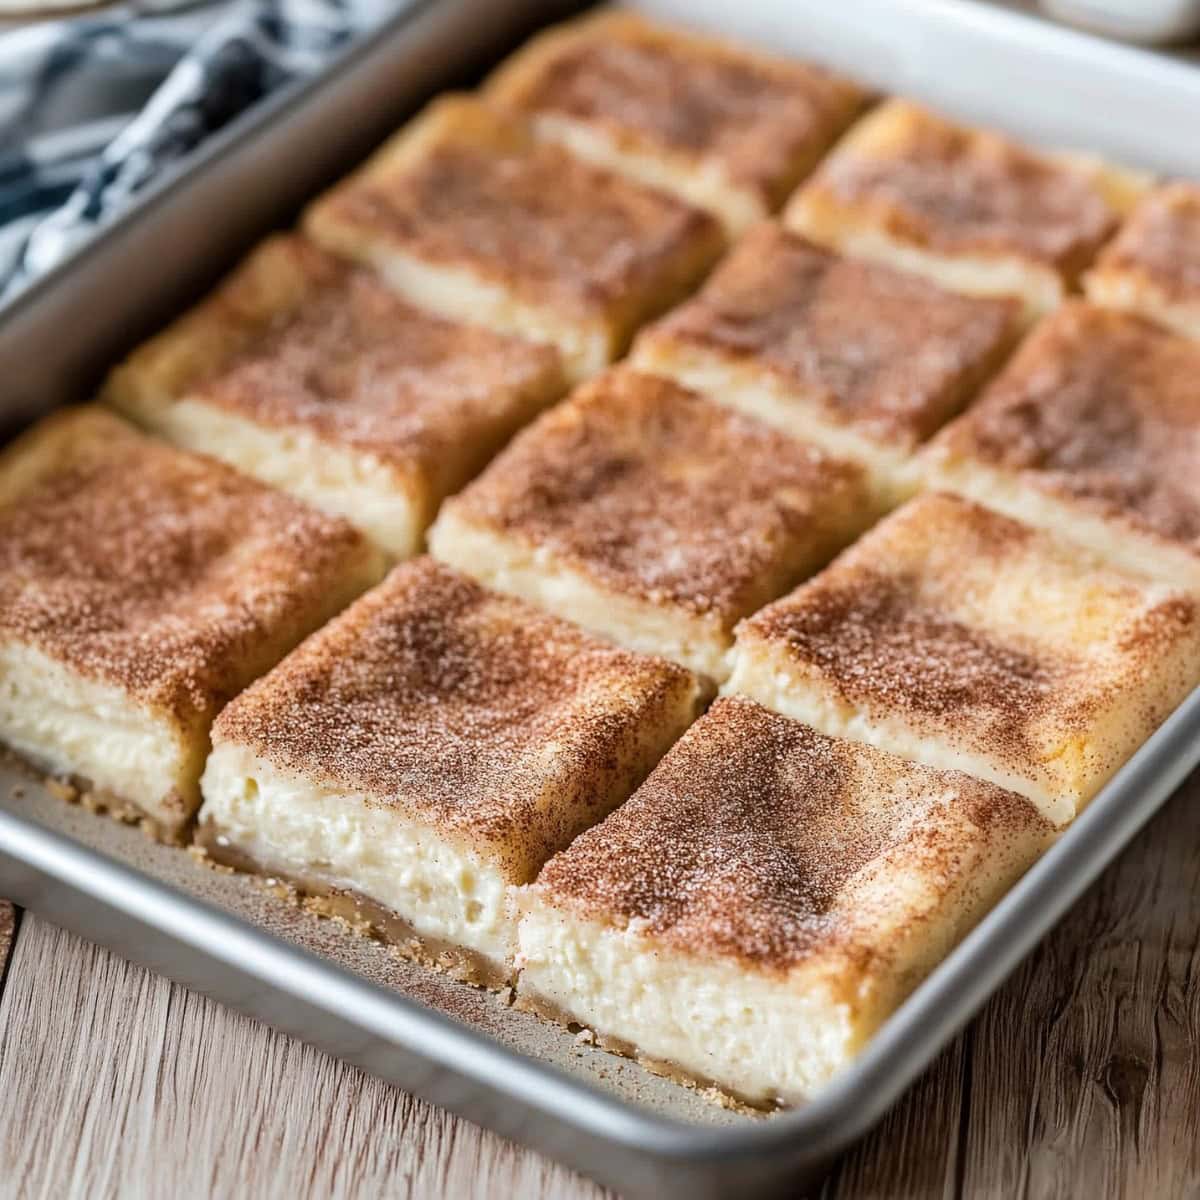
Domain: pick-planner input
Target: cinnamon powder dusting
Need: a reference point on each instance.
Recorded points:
(758, 117)
(887, 352)
(472, 710)
(531, 218)
(959, 189)
(159, 571)
(361, 368)
(664, 495)
(1102, 408)
(1160, 242)
(750, 839)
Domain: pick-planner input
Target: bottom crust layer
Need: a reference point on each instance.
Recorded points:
(77, 789)
(365, 916)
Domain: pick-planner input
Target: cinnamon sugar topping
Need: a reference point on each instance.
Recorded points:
(530, 217)
(361, 368)
(659, 493)
(1161, 241)
(470, 709)
(162, 572)
(759, 117)
(886, 351)
(958, 189)
(1101, 408)
(750, 839)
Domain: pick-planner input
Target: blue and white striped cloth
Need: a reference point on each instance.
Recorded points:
(92, 108)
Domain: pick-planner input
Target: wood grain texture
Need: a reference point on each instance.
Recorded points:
(1081, 1078)
(8, 925)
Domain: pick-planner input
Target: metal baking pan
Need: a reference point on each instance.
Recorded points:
(230, 937)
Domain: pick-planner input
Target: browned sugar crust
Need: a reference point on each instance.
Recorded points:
(522, 214)
(357, 366)
(1103, 409)
(462, 707)
(745, 842)
(880, 626)
(162, 572)
(764, 120)
(1160, 242)
(957, 189)
(887, 352)
(360, 913)
(663, 495)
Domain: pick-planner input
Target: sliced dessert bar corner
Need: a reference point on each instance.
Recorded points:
(427, 751)
(1091, 431)
(965, 207)
(856, 357)
(653, 516)
(466, 213)
(765, 901)
(728, 128)
(142, 587)
(313, 376)
(964, 639)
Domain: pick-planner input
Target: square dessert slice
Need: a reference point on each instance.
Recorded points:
(965, 207)
(864, 361)
(765, 901)
(427, 751)
(1152, 267)
(960, 638)
(728, 128)
(313, 376)
(141, 588)
(466, 213)
(1092, 431)
(648, 514)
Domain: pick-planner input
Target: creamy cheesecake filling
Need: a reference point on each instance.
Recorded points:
(762, 1039)
(300, 828)
(68, 724)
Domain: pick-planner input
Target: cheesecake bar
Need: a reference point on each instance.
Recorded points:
(1152, 267)
(963, 639)
(727, 128)
(965, 207)
(312, 375)
(865, 361)
(142, 587)
(1092, 431)
(765, 901)
(651, 515)
(427, 751)
(466, 213)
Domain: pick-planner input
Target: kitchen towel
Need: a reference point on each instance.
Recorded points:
(95, 107)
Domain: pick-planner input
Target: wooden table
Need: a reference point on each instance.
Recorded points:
(1080, 1079)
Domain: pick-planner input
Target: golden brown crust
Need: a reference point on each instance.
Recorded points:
(164, 573)
(476, 713)
(762, 121)
(1102, 409)
(917, 620)
(468, 187)
(296, 338)
(955, 189)
(748, 840)
(889, 353)
(1159, 245)
(659, 494)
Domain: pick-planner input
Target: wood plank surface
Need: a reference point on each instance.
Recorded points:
(1081, 1078)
